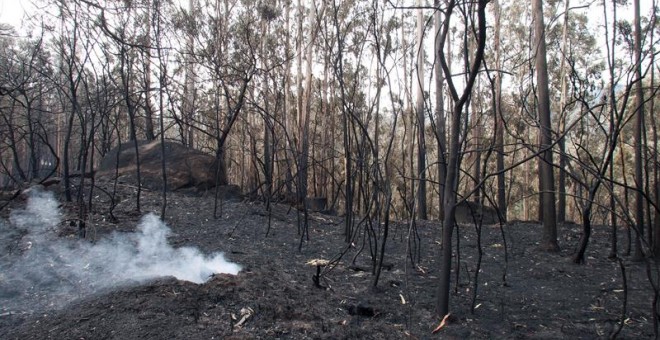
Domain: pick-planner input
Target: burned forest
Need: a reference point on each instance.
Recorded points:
(322, 169)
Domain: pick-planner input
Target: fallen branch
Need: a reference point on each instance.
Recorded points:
(442, 324)
(246, 313)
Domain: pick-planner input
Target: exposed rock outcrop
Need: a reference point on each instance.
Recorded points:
(185, 167)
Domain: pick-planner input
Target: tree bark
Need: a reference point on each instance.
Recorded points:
(638, 255)
(441, 134)
(546, 177)
(419, 108)
(498, 116)
(189, 83)
(348, 167)
(561, 205)
(148, 109)
(612, 111)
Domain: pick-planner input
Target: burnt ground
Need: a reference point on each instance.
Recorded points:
(543, 296)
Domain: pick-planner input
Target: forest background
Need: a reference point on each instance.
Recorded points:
(386, 109)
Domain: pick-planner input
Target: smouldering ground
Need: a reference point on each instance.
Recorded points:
(544, 295)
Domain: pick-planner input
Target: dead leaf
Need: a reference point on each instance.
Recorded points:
(442, 324)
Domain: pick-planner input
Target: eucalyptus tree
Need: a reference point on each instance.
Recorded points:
(226, 50)
(453, 163)
(213, 56)
(146, 77)
(189, 97)
(362, 35)
(498, 113)
(126, 68)
(440, 115)
(305, 92)
(654, 30)
(546, 176)
(270, 95)
(637, 135)
(420, 111)
(561, 185)
(384, 47)
(340, 35)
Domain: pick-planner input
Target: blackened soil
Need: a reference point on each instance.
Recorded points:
(532, 294)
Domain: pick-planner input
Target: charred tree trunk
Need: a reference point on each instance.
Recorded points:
(125, 73)
(148, 109)
(561, 205)
(638, 255)
(454, 145)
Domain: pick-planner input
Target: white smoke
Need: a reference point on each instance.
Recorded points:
(38, 265)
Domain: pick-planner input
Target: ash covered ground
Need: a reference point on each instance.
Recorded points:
(274, 295)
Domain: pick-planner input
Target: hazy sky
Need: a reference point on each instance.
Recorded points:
(11, 11)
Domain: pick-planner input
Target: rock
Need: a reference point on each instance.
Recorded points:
(185, 167)
(316, 204)
(468, 212)
(230, 192)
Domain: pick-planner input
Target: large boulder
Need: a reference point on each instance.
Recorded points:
(467, 212)
(185, 167)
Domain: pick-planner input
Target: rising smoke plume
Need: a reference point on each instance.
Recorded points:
(40, 270)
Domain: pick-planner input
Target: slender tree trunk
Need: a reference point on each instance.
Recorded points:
(148, 109)
(31, 145)
(441, 134)
(476, 137)
(221, 175)
(161, 105)
(268, 126)
(67, 148)
(305, 102)
(421, 115)
(498, 116)
(546, 177)
(73, 89)
(612, 112)
(300, 94)
(348, 167)
(561, 205)
(407, 141)
(126, 78)
(638, 138)
(656, 169)
(287, 99)
(453, 164)
(189, 95)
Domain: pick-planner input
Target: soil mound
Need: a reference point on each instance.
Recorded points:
(185, 167)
